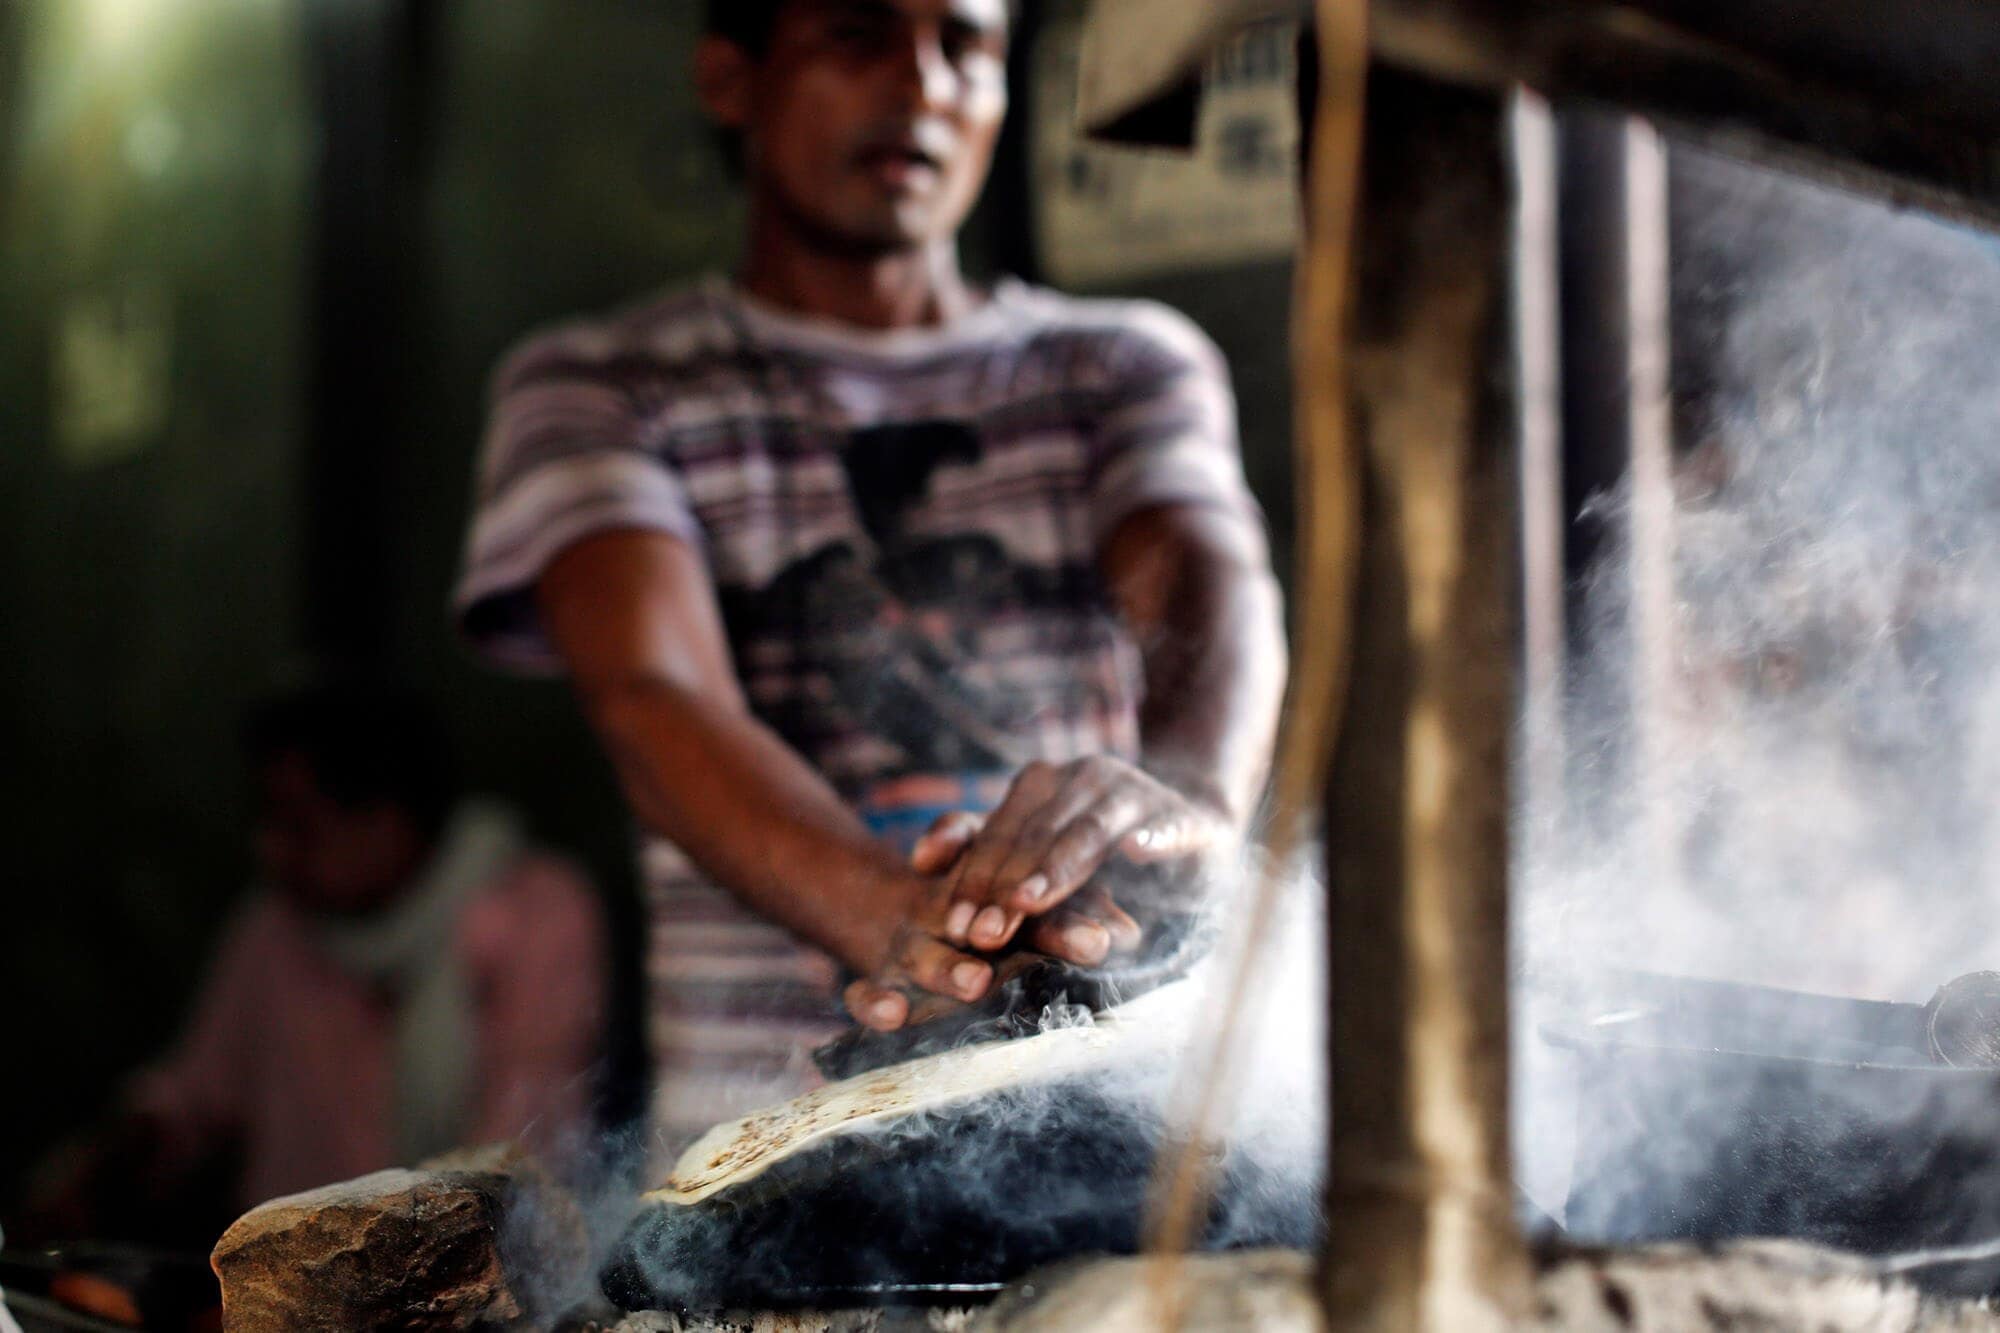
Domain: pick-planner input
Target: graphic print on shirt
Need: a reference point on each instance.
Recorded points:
(892, 624)
(920, 599)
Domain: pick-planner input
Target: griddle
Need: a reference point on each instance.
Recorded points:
(1710, 1110)
(943, 1209)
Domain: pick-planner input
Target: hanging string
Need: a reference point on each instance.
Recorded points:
(1323, 598)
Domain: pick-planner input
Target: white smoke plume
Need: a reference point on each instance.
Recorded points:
(1810, 803)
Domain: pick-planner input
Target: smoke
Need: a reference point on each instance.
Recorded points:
(1784, 776)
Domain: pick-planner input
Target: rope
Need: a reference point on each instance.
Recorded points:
(1328, 469)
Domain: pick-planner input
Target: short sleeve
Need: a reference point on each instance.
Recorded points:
(1167, 431)
(564, 457)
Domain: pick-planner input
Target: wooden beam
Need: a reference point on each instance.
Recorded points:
(1420, 1194)
(1892, 97)
(1538, 334)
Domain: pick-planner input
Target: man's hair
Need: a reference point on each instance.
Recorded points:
(366, 744)
(748, 23)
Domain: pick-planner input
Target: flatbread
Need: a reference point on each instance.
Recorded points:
(741, 1150)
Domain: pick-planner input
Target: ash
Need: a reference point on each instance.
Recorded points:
(1765, 1286)
(1751, 1287)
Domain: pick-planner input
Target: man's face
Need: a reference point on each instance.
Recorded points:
(329, 858)
(873, 122)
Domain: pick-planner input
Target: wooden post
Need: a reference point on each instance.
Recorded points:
(1419, 1193)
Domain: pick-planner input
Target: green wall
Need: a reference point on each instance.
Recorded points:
(154, 160)
(562, 178)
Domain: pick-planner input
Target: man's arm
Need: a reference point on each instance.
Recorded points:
(633, 615)
(1194, 586)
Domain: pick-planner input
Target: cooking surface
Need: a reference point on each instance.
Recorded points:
(945, 1176)
(936, 1206)
(1711, 1110)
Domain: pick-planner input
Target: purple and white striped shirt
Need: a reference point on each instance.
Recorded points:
(903, 529)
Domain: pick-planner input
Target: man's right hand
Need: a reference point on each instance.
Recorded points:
(916, 956)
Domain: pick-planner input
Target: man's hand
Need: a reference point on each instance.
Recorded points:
(1057, 826)
(916, 957)
(1086, 930)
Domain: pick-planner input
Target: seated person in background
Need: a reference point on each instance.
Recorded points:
(411, 976)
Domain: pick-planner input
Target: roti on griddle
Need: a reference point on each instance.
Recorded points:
(741, 1150)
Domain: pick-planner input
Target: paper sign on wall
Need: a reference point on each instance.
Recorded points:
(1105, 213)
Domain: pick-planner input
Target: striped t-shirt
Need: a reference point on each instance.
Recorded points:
(903, 530)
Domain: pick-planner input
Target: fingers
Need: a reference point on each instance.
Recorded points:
(990, 928)
(935, 853)
(942, 843)
(1171, 836)
(1079, 848)
(1074, 939)
(1055, 830)
(876, 1006)
(1053, 833)
(1098, 904)
(1057, 853)
(1087, 931)
(918, 960)
(936, 966)
(921, 961)
(971, 878)
(1023, 878)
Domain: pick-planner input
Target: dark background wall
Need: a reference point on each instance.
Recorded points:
(341, 212)
(155, 161)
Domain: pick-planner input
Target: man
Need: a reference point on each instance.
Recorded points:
(849, 544)
(414, 977)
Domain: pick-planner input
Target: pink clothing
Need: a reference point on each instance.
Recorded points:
(293, 1057)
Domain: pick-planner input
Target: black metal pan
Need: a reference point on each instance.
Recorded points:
(940, 1209)
(1708, 1110)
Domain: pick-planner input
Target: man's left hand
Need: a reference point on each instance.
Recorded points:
(1057, 826)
